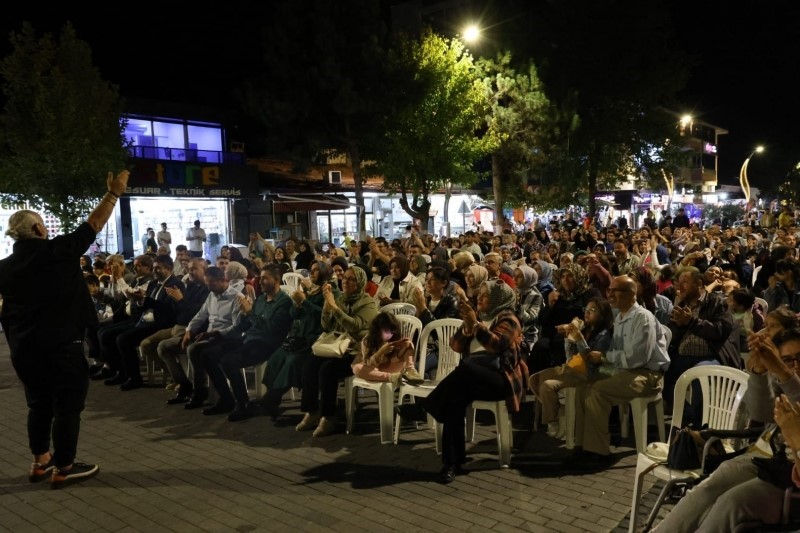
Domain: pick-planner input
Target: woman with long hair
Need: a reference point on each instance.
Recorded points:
(282, 260)
(647, 295)
(385, 354)
(598, 320)
(305, 256)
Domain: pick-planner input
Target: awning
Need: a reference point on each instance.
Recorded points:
(289, 203)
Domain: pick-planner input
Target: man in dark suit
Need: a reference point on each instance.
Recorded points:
(156, 311)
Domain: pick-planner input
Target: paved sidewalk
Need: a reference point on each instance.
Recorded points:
(167, 469)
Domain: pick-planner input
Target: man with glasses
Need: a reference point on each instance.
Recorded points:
(632, 367)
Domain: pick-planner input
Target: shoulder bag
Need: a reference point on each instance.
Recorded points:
(331, 344)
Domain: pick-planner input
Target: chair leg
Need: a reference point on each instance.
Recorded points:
(635, 499)
(659, 405)
(386, 412)
(470, 426)
(638, 410)
(349, 403)
(624, 420)
(569, 409)
(261, 389)
(437, 426)
(503, 422)
(660, 501)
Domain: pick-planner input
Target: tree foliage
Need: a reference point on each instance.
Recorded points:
(430, 136)
(519, 128)
(61, 129)
(613, 63)
(321, 81)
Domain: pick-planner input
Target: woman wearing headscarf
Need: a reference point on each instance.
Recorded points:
(418, 266)
(491, 369)
(399, 285)
(544, 271)
(305, 256)
(475, 276)
(350, 312)
(529, 305)
(563, 304)
(285, 368)
(339, 265)
(236, 274)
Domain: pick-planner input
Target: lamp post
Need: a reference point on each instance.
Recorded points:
(743, 174)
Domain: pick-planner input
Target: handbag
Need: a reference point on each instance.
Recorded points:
(686, 449)
(331, 344)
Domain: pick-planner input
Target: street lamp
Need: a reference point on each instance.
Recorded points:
(471, 34)
(743, 174)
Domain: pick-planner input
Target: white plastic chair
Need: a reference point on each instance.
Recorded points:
(722, 390)
(445, 328)
(288, 289)
(503, 423)
(292, 279)
(410, 327)
(399, 308)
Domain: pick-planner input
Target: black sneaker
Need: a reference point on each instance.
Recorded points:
(102, 374)
(411, 412)
(40, 472)
(78, 472)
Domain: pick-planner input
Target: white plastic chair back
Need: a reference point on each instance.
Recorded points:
(288, 289)
(445, 329)
(399, 308)
(410, 328)
(292, 279)
(722, 391)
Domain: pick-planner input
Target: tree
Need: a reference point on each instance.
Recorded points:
(430, 136)
(614, 62)
(61, 129)
(320, 85)
(519, 127)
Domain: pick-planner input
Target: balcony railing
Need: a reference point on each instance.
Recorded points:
(187, 155)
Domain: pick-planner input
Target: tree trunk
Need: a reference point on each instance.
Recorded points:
(497, 191)
(355, 160)
(420, 212)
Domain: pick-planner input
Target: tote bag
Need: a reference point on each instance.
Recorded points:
(331, 344)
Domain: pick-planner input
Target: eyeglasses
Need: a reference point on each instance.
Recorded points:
(791, 359)
(350, 278)
(590, 309)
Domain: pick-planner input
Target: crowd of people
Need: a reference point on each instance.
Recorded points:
(615, 313)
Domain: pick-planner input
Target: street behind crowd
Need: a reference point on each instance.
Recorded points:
(165, 469)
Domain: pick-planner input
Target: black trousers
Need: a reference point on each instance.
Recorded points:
(225, 366)
(107, 336)
(448, 402)
(56, 384)
(210, 356)
(127, 343)
(321, 376)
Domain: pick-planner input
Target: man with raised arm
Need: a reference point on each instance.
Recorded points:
(45, 325)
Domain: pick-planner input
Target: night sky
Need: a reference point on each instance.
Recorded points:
(746, 82)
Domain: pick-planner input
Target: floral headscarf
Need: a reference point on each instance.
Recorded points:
(581, 280)
(501, 297)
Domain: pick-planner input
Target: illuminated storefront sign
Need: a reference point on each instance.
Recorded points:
(182, 180)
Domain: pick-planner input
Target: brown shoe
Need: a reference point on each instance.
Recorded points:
(411, 375)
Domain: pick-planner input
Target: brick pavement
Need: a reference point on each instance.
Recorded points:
(167, 469)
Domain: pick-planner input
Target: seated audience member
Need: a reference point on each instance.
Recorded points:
(385, 354)
(399, 285)
(350, 312)
(598, 321)
(209, 330)
(735, 493)
(564, 304)
(748, 317)
(285, 368)
(784, 286)
(339, 265)
(544, 271)
(491, 369)
(188, 302)
(264, 323)
(475, 276)
(282, 261)
(528, 306)
(156, 311)
(434, 304)
(492, 262)
(632, 367)
(702, 333)
(647, 295)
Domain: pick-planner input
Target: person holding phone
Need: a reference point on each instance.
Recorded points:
(385, 354)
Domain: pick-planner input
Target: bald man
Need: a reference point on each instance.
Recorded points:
(632, 367)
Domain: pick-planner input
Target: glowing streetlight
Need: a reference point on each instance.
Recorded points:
(471, 34)
(743, 174)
